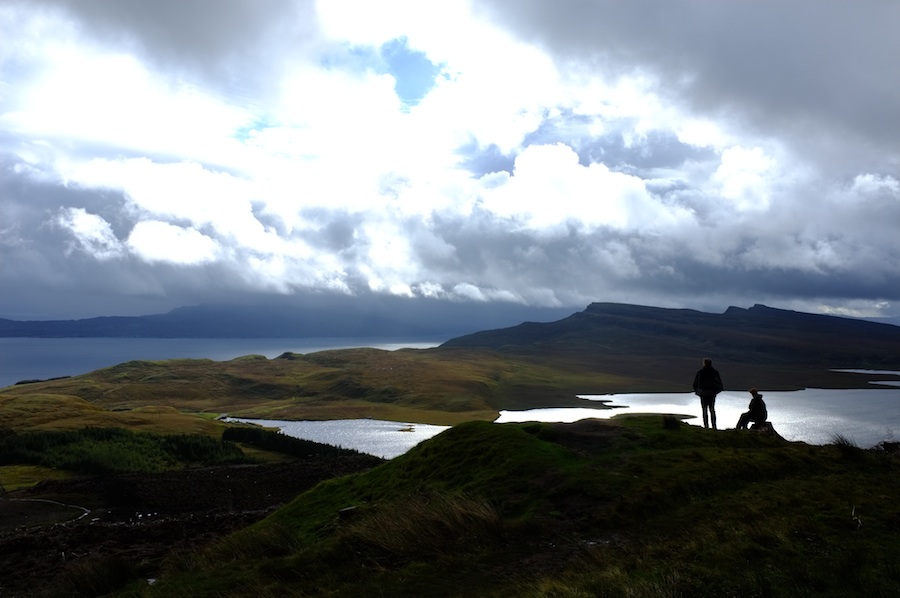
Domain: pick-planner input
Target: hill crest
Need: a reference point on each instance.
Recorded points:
(756, 335)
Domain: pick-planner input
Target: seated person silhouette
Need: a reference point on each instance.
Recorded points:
(757, 413)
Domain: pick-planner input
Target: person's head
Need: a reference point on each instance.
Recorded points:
(755, 393)
(707, 362)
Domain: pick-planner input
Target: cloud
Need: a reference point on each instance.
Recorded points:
(683, 154)
(812, 70)
(230, 44)
(91, 233)
(155, 241)
(742, 178)
(550, 187)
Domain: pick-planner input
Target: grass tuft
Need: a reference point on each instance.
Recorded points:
(255, 542)
(670, 422)
(95, 576)
(431, 524)
(847, 448)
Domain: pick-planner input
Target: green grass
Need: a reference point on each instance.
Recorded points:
(628, 507)
(17, 477)
(113, 450)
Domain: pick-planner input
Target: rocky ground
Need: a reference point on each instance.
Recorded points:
(52, 531)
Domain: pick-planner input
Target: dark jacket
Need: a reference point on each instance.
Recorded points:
(707, 382)
(758, 412)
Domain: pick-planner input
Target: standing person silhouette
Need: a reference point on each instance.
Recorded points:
(707, 384)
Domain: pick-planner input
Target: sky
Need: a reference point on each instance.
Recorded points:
(691, 153)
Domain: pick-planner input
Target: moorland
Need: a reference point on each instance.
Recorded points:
(627, 507)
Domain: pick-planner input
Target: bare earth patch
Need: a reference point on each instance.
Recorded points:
(141, 519)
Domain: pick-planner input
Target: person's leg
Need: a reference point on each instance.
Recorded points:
(712, 412)
(742, 422)
(704, 406)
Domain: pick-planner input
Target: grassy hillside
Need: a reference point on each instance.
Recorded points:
(641, 506)
(761, 335)
(427, 386)
(471, 378)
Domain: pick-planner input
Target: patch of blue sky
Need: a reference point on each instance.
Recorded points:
(414, 74)
(485, 160)
(248, 130)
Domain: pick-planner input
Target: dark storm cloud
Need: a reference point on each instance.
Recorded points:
(740, 264)
(332, 230)
(488, 252)
(652, 151)
(29, 208)
(44, 269)
(825, 70)
(232, 43)
(682, 276)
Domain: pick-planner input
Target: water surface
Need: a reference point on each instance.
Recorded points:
(381, 438)
(815, 415)
(863, 416)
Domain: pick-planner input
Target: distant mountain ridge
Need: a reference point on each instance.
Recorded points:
(758, 335)
(326, 317)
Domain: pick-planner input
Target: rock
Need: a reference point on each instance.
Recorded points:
(347, 512)
(891, 448)
(766, 428)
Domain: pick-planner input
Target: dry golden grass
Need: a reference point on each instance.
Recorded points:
(183, 395)
(436, 386)
(65, 412)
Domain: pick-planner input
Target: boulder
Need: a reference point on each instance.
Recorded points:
(765, 428)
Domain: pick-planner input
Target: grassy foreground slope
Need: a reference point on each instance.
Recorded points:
(639, 506)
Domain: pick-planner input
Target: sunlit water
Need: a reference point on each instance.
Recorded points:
(866, 417)
(815, 415)
(381, 438)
